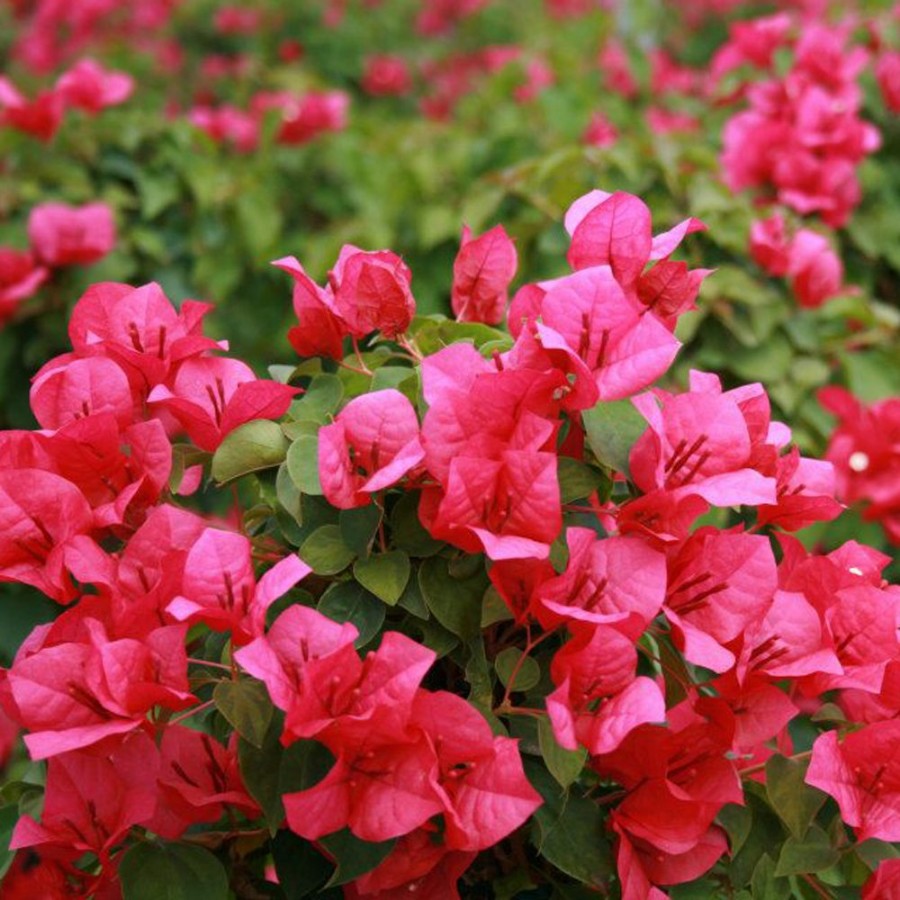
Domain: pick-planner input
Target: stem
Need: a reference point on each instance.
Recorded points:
(751, 770)
(409, 344)
(818, 888)
(212, 665)
(363, 368)
(191, 712)
(529, 646)
(356, 369)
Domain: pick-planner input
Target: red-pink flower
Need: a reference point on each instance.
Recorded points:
(40, 117)
(210, 396)
(20, 277)
(371, 291)
(482, 272)
(887, 71)
(863, 776)
(91, 87)
(386, 76)
(372, 443)
(321, 331)
(64, 235)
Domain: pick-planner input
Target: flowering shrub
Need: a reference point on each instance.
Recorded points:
(491, 607)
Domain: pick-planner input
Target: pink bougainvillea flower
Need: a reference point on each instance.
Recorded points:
(304, 117)
(321, 331)
(719, 584)
(371, 291)
(482, 272)
(198, 778)
(372, 443)
(140, 329)
(790, 641)
(487, 795)
(89, 86)
(863, 776)
(379, 789)
(210, 396)
(419, 862)
(65, 391)
(887, 71)
(386, 76)
(508, 507)
(805, 493)
(884, 883)
(219, 587)
(228, 124)
(865, 452)
(816, 271)
(93, 797)
(73, 694)
(298, 637)
(40, 512)
(40, 117)
(770, 245)
(20, 278)
(719, 446)
(62, 235)
(600, 132)
(618, 580)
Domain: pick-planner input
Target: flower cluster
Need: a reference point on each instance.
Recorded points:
(59, 236)
(802, 137)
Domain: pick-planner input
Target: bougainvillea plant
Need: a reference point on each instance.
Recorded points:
(483, 607)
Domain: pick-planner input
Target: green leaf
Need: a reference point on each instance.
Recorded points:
(321, 399)
(765, 885)
(385, 575)
(407, 532)
(325, 551)
(494, 608)
(301, 869)
(303, 464)
(259, 444)
(872, 375)
(352, 856)
(260, 771)
(737, 821)
(358, 528)
(349, 601)
(303, 764)
(246, 706)
(791, 797)
(812, 854)
(288, 494)
(577, 480)
(564, 765)
(172, 871)
(612, 428)
(529, 673)
(9, 815)
(454, 602)
(569, 831)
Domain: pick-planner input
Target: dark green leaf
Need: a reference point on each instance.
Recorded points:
(385, 575)
(303, 764)
(529, 673)
(172, 871)
(322, 398)
(9, 815)
(612, 428)
(407, 531)
(454, 602)
(303, 464)
(564, 765)
(791, 797)
(246, 706)
(765, 885)
(325, 551)
(577, 480)
(352, 856)
(349, 601)
(259, 444)
(260, 770)
(569, 831)
(301, 869)
(812, 854)
(359, 526)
